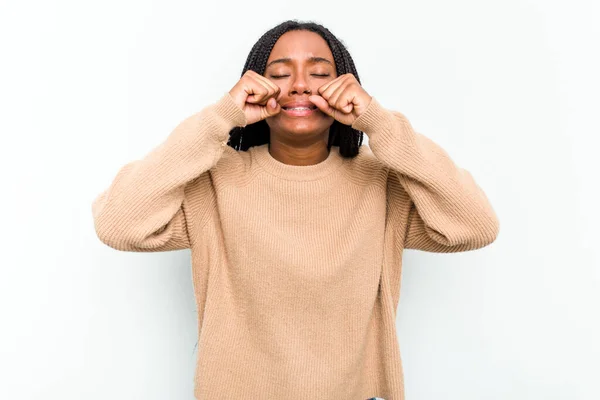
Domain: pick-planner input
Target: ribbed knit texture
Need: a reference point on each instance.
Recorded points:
(296, 269)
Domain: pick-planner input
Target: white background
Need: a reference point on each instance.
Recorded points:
(509, 89)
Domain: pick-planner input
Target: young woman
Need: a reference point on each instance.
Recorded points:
(296, 228)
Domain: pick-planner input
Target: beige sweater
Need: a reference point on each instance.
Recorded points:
(296, 269)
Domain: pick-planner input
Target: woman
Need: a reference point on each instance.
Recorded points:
(296, 228)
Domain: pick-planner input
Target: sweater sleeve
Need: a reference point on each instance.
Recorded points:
(448, 211)
(144, 209)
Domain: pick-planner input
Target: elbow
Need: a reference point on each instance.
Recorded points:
(492, 227)
(461, 235)
(485, 233)
(103, 231)
(494, 231)
(111, 230)
(477, 236)
(120, 235)
(127, 232)
(110, 235)
(115, 235)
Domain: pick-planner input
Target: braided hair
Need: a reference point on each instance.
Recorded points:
(345, 137)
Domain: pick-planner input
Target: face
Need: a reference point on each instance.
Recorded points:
(300, 61)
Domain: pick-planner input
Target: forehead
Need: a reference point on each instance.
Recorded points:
(300, 45)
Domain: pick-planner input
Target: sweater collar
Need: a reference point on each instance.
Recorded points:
(297, 172)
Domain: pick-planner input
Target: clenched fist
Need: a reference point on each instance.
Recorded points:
(256, 96)
(343, 98)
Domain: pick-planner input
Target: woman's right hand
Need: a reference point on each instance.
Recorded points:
(256, 96)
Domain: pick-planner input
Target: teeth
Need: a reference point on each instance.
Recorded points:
(299, 108)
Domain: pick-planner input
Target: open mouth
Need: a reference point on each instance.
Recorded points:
(300, 108)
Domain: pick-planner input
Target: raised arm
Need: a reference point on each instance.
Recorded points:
(448, 211)
(144, 208)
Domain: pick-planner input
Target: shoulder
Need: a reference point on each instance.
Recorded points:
(233, 167)
(365, 168)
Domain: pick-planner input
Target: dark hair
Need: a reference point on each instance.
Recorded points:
(345, 137)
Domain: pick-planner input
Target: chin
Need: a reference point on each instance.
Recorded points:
(301, 128)
(308, 132)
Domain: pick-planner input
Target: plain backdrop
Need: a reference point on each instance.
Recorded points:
(509, 89)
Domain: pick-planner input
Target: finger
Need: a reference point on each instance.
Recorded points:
(256, 92)
(331, 91)
(344, 99)
(276, 89)
(253, 90)
(322, 105)
(271, 108)
(326, 90)
(336, 94)
(346, 103)
(272, 89)
(265, 92)
(323, 88)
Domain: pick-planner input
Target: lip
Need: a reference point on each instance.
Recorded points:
(299, 113)
(305, 103)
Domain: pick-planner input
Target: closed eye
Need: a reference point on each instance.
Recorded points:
(283, 76)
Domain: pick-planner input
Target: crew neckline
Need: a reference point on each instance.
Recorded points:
(297, 172)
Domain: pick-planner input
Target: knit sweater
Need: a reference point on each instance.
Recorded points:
(296, 269)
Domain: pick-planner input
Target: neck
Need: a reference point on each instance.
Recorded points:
(298, 154)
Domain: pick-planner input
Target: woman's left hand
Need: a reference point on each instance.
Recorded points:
(343, 98)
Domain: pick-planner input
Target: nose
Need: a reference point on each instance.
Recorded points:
(299, 86)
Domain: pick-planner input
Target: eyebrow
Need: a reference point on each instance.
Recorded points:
(311, 60)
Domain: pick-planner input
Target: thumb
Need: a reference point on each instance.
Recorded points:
(272, 107)
(322, 105)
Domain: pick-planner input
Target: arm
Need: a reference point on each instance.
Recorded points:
(144, 208)
(448, 211)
